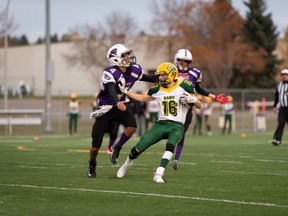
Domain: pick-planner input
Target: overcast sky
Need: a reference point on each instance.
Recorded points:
(66, 14)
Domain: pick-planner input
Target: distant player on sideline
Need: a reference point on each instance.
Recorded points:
(174, 98)
(73, 111)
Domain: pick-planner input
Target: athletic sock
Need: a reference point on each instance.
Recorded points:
(122, 141)
(178, 152)
(111, 142)
(92, 162)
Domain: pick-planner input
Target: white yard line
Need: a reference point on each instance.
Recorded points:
(276, 161)
(234, 162)
(32, 167)
(187, 163)
(148, 194)
(17, 141)
(255, 173)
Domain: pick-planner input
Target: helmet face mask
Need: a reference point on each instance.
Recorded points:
(163, 81)
(167, 73)
(128, 58)
(183, 59)
(120, 55)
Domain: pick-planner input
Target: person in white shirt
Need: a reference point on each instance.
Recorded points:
(228, 111)
(73, 111)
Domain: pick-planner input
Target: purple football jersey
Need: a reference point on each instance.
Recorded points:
(193, 75)
(114, 74)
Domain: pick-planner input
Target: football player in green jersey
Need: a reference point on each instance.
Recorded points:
(174, 96)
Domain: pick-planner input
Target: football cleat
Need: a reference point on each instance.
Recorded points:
(175, 164)
(109, 150)
(115, 155)
(158, 178)
(123, 169)
(92, 172)
(276, 142)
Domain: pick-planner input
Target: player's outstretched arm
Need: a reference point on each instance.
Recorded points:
(139, 97)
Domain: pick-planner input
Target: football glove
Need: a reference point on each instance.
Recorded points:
(222, 98)
(188, 98)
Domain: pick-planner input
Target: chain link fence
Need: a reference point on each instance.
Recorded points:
(252, 108)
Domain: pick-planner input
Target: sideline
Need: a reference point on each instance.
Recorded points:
(148, 194)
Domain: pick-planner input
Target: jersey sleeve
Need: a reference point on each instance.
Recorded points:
(153, 90)
(107, 77)
(199, 77)
(199, 80)
(139, 70)
(188, 86)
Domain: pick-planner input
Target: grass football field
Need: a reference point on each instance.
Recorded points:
(218, 175)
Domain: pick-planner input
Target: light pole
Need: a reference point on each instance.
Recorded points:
(48, 73)
(5, 56)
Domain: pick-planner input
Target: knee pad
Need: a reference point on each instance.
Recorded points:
(134, 153)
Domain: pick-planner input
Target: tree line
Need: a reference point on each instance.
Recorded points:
(232, 51)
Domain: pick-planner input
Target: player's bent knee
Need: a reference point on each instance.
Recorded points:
(167, 155)
(170, 147)
(129, 131)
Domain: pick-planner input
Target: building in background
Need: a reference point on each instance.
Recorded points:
(27, 63)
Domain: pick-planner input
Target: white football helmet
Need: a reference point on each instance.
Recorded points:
(183, 54)
(115, 56)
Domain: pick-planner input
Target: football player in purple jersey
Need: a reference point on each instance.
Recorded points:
(183, 61)
(123, 71)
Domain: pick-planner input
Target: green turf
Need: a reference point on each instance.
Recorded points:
(218, 175)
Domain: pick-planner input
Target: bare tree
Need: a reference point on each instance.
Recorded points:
(90, 51)
(120, 25)
(283, 48)
(9, 24)
(166, 18)
(213, 32)
(216, 27)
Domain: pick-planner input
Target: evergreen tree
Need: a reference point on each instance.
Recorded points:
(23, 40)
(39, 41)
(261, 33)
(54, 38)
